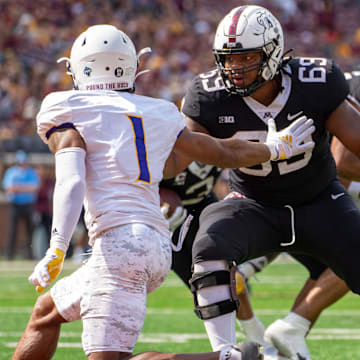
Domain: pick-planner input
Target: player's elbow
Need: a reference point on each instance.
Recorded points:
(78, 186)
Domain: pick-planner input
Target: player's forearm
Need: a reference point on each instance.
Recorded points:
(224, 153)
(239, 153)
(233, 153)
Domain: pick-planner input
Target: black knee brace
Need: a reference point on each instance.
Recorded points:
(208, 279)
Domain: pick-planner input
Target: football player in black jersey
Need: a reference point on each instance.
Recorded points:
(320, 290)
(297, 205)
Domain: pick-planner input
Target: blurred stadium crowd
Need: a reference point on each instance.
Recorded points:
(36, 33)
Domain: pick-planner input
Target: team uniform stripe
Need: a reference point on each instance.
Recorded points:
(234, 22)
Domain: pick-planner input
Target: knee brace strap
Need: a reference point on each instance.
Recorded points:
(208, 279)
(214, 310)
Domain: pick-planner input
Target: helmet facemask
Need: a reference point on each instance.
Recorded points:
(227, 74)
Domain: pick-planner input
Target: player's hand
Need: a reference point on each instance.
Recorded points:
(290, 141)
(48, 269)
(176, 218)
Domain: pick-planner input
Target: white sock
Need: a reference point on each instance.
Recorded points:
(221, 329)
(298, 321)
(254, 329)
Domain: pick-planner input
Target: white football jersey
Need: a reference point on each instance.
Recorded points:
(128, 138)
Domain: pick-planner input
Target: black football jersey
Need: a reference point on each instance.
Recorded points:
(310, 86)
(194, 183)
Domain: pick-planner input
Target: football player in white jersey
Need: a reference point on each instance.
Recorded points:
(111, 147)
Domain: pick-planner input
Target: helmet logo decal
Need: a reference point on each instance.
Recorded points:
(265, 22)
(119, 72)
(87, 71)
(234, 22)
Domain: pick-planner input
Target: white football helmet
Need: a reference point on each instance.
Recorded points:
(246, 29)
(103, 58)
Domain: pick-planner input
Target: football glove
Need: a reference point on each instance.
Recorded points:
(48, 269)
(290, 141)
(177, 217)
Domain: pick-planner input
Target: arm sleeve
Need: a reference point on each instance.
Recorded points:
(69, 193)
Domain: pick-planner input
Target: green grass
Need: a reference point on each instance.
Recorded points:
(171, 325)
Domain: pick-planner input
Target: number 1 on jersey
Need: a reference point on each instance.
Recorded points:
(138, 127)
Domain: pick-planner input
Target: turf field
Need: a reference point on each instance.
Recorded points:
(170, 323)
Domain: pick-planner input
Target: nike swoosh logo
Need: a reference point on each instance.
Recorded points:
(336, 196)
(292, 117)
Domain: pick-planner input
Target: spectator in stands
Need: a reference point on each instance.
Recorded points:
(21, 184)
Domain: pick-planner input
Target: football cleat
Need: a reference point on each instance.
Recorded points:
(247, 350)
(288, 339)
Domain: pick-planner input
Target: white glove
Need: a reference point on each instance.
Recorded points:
(47, 269)
(290, 141)
(177, 217)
